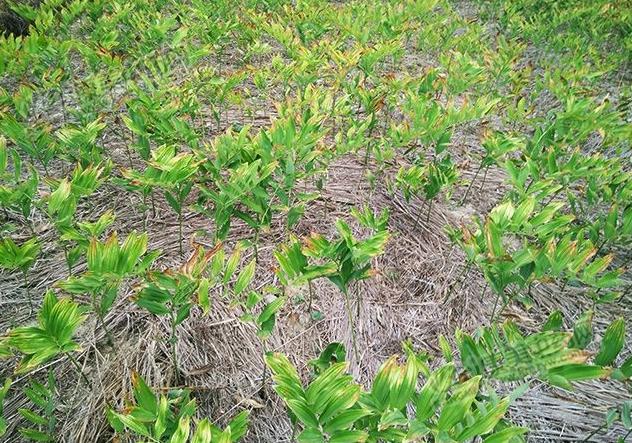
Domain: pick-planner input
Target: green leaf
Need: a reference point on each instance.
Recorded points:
(181, 435)
(434, 391)
(244, 278)
(35, 435)
(203, 295)
(506, 435)
(345, 419)
(612, 343)
(348, 437)
(33, 417)
(485, 423)
(554, 322)
(458, 404)
(582, 331)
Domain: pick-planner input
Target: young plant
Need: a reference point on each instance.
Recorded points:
(241, 184)
(333, 408)
(76, 238)
(173, 293)
(173, 173)
(16, 193)
(167, 418)
(63, 202)
(109, 264)
(44, 398)
(504, 353)
(19, 258)
(429, 177)
(58, 321)
(79, 143)
(346, 259)
(497, 146)
(294, 268)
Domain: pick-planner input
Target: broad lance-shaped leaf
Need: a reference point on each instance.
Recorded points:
(582, 331)
(612, 343)
(458, 404)
(554, 322)
(516, 357)
(19, 257)
(506, 435)
(244, 278)
(484, 423)
(434, 391)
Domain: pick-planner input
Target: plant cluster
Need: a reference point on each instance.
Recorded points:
(235, 116)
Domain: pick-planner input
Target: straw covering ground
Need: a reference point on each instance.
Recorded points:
(220, 221)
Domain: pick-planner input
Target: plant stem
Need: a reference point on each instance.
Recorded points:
(174, 353)
(180, 230)
(493, 317)
(351, 324)
(264, 376)
(311, 297)
(77, 366)
(593, 433)
(153, 205)
(256, 245)
(28, 290)
(63, 103)
(67, 261)
(429, 211)
(101, 320)
(467, 192)
(484, 178)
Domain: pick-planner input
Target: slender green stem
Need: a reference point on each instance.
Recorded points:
(180, 230)
(469, 188)
(63, 103)
(174, 353)
(593, 433)
(101, 320)
(351, 325)
(28, 290)
(264, 376)
(311, 298)
(67, 257)
(506, 301)
(493, 316)
(77, 366)
(484, 178)
(153, 205)
(458, 279)
(256, 245)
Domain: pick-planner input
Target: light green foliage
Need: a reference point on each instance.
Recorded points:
(170, 418)
(16, 192)
(44, 399)
(108, 265)
(260, 123)
(173, 293)
(333, 408)
(559, 357)
(63, 201)
(58, 321)
(18, 257)
(3, 393)
(170, 171)
(348, 259)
